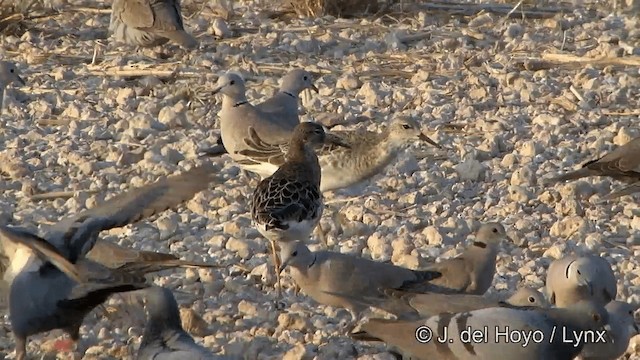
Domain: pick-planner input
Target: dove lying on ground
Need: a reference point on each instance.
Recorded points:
(410, 305)
(472, 272)
(149, 23)
(622, 164)
(621, 328)
(164, 338)
(574, 278)
(334, 279)
(549, 333)
(8, 75)
(58, 301)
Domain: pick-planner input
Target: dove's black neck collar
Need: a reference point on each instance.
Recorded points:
(239, 103)
(480, 244)
(288, 93)
(315, 257)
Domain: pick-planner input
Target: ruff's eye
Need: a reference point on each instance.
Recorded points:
(406, 126)
(232, 82)
(495, 230)
(305, 78)
(295, 253)
(12, 71)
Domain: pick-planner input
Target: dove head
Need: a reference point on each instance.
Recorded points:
(490, 235)
(232, 85)
(162, 309)
(9, 74)
(295, 254)
(526, 296)
(582, 273)
(622, 314)
(296, 81)
(404, 129)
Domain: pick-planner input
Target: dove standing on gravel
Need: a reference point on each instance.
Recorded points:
(369, 153)
(8, 75)
(574, 278)
(472, 272)
(622, 164)
(44, 297)
(550, 333)
(149, 23)
(337, 279)
(164, 338)
(238, 115)
(620, 329)
(287, 206)
(412, 305)
(284, 104)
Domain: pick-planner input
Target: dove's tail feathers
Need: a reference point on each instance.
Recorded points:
(572, 175)
(181, 38)
(146, 267)
(214, 151)
(96, 296)
(627, 190)
(364, 336)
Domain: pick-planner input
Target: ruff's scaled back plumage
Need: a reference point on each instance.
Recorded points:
(287, 205)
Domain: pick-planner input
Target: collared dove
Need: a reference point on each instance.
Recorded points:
(59, 301)
(337, 279)
(237, 116)
(498, 333)
(410, 305)
(369, 152)
(164, 338)
(287, 206)
(149, 23)
(115, 256)
(9, 74)
(284, 104)
(574, 278)
(620, 329)
(622, 164)
(472, 272)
